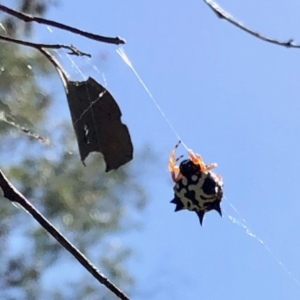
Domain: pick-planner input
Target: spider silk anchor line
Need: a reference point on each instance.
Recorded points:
(243, 225)
(125, 58)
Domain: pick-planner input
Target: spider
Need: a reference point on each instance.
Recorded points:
(196, 188)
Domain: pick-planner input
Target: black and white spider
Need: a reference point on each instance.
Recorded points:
(196, 188)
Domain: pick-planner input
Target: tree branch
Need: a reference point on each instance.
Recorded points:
(222, 14)
(58, 67)
(89, 35)
(74, 50)
(13, 195)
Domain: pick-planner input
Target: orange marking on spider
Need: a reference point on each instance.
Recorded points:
(197, 160)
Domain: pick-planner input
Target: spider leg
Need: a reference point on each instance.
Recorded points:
(210, 166)
(175, 177)
(172, 165)
(197, 159)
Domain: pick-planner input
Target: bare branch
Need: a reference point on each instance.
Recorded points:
(74, 50)
(43, 140)
(30, 18)
(222, 14)
(58, 67)
(12, 194)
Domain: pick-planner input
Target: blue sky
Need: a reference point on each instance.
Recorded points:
(232, 98)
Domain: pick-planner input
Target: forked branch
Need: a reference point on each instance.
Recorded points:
(74, 50)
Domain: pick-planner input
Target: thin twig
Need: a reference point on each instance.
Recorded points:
(12, 194)
(74, 50)
(30, 18)
(61, 72)
(43, 140)
(221, 13)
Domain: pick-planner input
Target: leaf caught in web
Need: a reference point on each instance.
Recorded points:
(97, 123)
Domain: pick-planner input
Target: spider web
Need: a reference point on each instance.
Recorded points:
(240, 220)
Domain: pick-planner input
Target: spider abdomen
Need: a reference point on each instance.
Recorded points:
(199, 192)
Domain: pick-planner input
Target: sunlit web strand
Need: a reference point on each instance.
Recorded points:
(97, 70)
(125, 58)
(76, 67)
(2, 27)
(251, 234)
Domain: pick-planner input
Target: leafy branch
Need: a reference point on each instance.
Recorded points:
(222, 14)
(13, 195)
